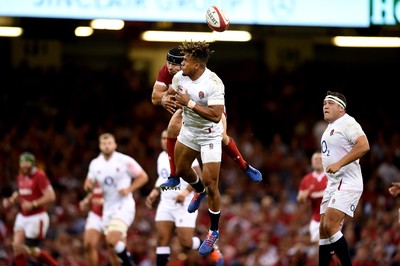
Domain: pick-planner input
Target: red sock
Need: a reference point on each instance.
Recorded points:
(46, 258)
(232, 150)
(170, 151)
(21, 260)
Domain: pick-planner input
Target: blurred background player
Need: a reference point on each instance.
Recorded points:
(94, 228)
(394, 191)
(114, 172)
(32, 222)
(172, 212)
(160, 97)
(311, 190)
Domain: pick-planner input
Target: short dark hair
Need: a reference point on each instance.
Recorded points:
(175, 56)
(337, 94)
(198, 50)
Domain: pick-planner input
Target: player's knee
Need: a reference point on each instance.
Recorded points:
(18, 249)
(186, 243)
(32, 246)
(185, 169)
(322, 232)
(328, 229)
(212, 191)
(88, 247)
(209, 181)
(112, 240)
(163, 240)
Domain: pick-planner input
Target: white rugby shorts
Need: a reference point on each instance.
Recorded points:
(210, 147)
(35, 226)
(345, 201)
(314, 231)
(94, 221)
(177, 213)
(123, 211)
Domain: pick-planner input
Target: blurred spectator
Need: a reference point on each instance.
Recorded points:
(387, 170)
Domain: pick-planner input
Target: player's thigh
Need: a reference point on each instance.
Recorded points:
(92, 237)
(165, 232)
(331, 222)
(19, 237)
(185, 154)
(175, 124)
(185, 236)
(19, 242)
(211, 173)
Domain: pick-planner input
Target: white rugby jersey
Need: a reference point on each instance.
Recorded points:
(163, 170)
(114, 174)
(206, 90)
(337, 140)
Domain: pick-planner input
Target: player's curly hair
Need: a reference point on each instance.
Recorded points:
(198, 50)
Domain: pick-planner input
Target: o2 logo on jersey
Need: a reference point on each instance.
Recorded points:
(109, 181)
(324, 148)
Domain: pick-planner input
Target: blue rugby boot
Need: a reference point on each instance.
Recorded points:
(172, 183)
(196, 200)
(253, 173)
(208, 244)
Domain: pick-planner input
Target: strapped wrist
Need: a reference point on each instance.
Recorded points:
(191, 104)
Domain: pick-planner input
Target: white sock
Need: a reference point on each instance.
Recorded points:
(195, 243)
(119, 247)
(336, 237)
(163, 250)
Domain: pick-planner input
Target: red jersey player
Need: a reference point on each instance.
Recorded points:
(34, 193)
(311, 189)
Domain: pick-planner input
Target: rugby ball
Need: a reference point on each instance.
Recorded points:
(217, 19)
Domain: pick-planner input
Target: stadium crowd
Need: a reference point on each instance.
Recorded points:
(58, 115)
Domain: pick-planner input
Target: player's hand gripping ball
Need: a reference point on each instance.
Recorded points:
(217, 19)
